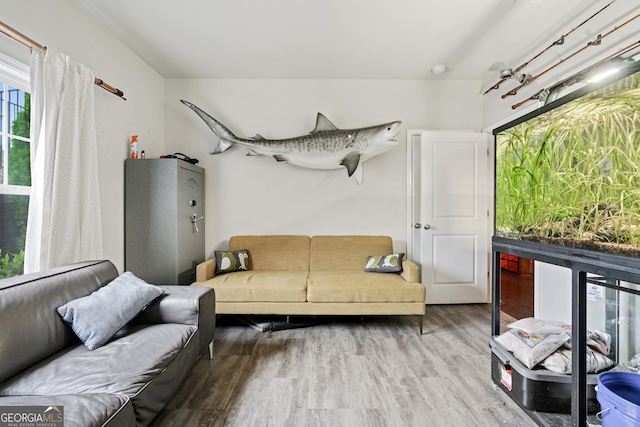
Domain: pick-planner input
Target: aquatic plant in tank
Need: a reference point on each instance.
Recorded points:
(571, 176)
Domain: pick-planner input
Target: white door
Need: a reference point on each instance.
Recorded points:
(448, 213)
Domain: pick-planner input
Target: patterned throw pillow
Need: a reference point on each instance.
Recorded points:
(230, 261)
(384, 263)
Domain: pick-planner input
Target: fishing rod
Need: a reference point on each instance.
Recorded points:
(596, 42)
(544, 93)
(558, 42)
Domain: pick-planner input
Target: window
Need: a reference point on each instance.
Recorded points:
(15, 169)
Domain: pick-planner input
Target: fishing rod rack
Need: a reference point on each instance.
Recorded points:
(546, 94)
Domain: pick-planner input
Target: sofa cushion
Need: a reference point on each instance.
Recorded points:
(31, 327)
(95, 318)
(359, 286)
(146, 363)
(83, 410)
(231, 261)
(274, 253)
(391, 263)
(346, 253)
(260, 286)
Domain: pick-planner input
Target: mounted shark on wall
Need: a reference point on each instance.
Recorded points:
(326, 147)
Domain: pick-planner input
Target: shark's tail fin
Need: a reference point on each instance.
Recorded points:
(227, 138)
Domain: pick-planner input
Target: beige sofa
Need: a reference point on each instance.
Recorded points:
(319, 275)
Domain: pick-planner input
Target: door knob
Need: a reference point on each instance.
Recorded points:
(417, 225)
(427, 226)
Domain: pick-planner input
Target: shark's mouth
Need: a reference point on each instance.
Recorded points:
(392, 139)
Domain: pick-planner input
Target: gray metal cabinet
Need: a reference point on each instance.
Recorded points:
(164, 220)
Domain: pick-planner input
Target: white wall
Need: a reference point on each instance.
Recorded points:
(256, 195)
(59, 25)
(246, 195)
(552, 290)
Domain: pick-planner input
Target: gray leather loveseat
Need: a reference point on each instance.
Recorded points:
(125, 382)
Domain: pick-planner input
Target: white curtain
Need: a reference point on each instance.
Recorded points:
(64, 223)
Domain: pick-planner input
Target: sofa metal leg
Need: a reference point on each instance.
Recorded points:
(421, 321)
(211, 350)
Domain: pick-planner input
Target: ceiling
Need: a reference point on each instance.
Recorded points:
(333, 39)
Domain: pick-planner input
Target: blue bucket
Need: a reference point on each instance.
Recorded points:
(619, 397)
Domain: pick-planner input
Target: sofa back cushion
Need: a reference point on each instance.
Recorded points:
(275, 253)
(31, 327)
(346, 253)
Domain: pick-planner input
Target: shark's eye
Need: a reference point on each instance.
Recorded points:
(389, 128)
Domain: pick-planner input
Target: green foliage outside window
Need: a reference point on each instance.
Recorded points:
(19, 151)
(12, 264)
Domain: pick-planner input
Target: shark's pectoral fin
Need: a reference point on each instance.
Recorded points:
(280, 158)
(354, 165)
(351, 162)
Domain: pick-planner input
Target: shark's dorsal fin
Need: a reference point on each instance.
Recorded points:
(323, 124)
(258, 137)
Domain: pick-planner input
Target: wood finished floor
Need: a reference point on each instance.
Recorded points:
(371, 371)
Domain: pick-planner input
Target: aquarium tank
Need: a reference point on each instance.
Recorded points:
(571, 175)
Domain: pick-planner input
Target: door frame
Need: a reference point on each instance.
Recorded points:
(411, 133)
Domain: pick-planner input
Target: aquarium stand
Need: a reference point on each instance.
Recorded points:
(581, 262)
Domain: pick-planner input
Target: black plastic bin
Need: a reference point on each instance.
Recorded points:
(537, 389)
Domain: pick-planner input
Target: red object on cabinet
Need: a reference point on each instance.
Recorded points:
(516, 264)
